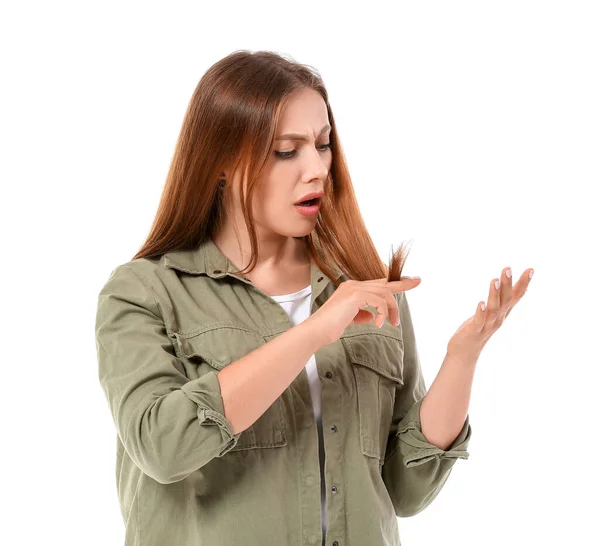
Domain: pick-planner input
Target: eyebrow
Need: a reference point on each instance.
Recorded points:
(300, 136)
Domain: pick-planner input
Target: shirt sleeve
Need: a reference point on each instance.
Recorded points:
(170, 426)
(414, 471)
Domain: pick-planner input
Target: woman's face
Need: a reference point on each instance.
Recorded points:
(295, 167)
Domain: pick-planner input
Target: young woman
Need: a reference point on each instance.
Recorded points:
(256, 398)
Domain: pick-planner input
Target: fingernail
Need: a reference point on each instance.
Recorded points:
(531, 274)
(416, 278)
(509, 273)
(497, 283)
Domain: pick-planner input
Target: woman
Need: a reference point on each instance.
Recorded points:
(256, 398)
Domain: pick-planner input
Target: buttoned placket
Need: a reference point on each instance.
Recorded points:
(216, 265)
(309, 480)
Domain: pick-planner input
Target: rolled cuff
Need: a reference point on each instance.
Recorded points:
(206, 393)
(415, 447)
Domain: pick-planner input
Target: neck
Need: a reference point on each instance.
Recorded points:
(275, 252)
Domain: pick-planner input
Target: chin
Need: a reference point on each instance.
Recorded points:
(298, 233)
(305, 232)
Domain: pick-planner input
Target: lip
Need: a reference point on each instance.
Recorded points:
(313, 210)
(312, 195)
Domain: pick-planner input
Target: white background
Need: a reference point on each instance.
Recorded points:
(472, 130)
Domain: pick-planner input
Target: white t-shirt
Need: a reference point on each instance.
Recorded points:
(297, 306)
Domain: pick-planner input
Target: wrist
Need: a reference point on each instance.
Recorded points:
(463, 358)
(314, 333)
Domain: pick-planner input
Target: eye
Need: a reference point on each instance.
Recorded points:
(289, 155)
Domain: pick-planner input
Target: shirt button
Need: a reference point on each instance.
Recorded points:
(328, 375)
(335, 543)
(217, 271)
(319, 279)
(334, 489)
(333, 428)
(310, 480)
(312, 539)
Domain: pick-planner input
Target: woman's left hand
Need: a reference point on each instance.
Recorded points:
(474, 333)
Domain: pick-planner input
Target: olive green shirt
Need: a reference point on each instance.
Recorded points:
(166, 326)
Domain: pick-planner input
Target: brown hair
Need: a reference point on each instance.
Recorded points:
(231, 119)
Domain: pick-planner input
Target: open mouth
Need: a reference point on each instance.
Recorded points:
(308, 203)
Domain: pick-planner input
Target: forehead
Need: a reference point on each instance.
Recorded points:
(304, 112)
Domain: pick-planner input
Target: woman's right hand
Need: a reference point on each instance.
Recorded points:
(346, 304)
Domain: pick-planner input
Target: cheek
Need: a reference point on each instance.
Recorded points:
(276, 193)
(272, 201)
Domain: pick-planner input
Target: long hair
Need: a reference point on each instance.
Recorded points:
(231, 120)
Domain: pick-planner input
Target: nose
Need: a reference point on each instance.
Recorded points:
(315, 168)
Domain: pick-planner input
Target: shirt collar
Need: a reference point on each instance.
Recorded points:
(208, 259)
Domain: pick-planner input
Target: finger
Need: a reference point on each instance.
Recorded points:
(479, 320)
(493, 304)
(506, 291)
(521, 286)
(393, 311)
(382, 289)
(378, 301)
(364, 316)
(519, 289)
(384, 280)
(404, 284)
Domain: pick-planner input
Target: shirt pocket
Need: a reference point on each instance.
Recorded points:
(376, 361)
(218, 347)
